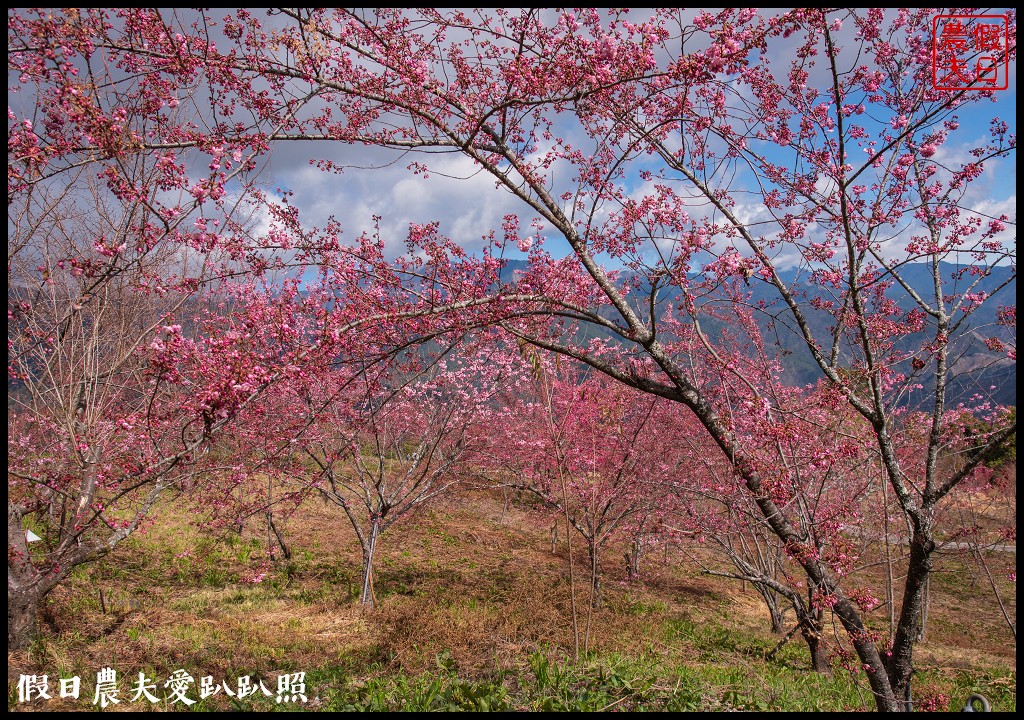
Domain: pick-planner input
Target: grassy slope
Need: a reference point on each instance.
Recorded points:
(474, 613)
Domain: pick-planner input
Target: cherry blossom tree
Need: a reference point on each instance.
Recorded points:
(155, 291)
(115, 391)
(119, 382)
(384, 444)
(586, 447)
(589, 449)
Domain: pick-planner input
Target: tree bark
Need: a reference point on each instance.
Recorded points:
(26, 585)
(771, 601)
(280, 540)
(22, 614)
(367, 595)
(595, 575)
(811, 628)
(898, 668)
(633, 560)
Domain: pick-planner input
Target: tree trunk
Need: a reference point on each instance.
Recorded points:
(633, 560)
(887, 693)
(367, 596)
(771, 601)
(811, 628)
(22, 613)
(923, 629)
(595, 576)
(277, 535)
(898, 669)
(890, 592)
(26, 586)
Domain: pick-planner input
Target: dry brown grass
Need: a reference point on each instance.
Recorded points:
(462, 578)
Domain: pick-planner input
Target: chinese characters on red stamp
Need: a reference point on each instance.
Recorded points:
(969, 52)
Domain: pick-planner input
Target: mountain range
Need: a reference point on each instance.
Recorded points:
(974, 368)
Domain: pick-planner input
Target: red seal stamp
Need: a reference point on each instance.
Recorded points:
(970, 52)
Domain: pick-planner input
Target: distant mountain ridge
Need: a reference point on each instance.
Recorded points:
(975, 369)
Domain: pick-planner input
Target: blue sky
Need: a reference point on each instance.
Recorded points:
(468, 205)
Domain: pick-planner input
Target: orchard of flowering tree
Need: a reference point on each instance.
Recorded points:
(742, 277)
